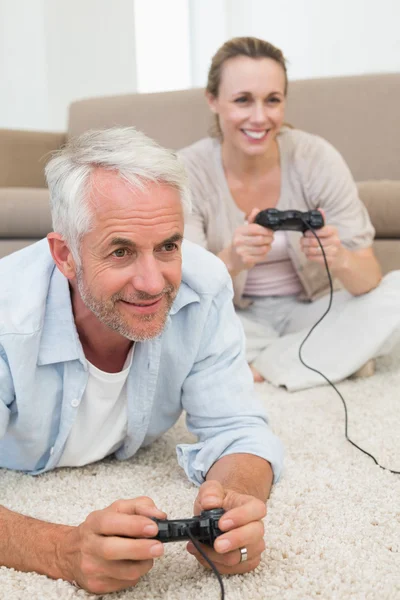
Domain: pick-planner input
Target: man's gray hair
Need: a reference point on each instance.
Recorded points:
(137, 158)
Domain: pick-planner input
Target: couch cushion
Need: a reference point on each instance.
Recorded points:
(24, 213)
(23, 155)
(388, 254)
(10, 246)
(174, 119)
(382, 199)
(339, 109)
(339, 112)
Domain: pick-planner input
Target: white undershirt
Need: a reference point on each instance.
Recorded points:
(101, 421)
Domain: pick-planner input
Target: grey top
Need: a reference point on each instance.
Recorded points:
(314, 175)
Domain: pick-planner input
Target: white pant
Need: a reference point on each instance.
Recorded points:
(356, 329)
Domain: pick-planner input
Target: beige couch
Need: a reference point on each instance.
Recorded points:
(359, 115)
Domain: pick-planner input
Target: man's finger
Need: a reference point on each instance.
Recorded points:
(112, 548)
(211, 495)
(237, 538)
(250, 510)
(118, 524)
(135, 506)
(243, 567)
(229, 559)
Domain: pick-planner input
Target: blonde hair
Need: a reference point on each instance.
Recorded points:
(240, 46)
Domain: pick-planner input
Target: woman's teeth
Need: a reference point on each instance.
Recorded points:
(256, 135)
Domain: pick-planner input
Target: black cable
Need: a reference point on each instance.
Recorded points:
(204, 555)
(319, 372)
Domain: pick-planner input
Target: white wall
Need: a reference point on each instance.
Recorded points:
(320, 38)
(56, 51)
(90, 51)
(23, 77)
(208, 31)
(162, 45)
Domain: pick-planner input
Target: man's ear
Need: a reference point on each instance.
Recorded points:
(212, 102)
(62, 255)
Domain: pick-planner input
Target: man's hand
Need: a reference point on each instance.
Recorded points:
(109, 551)
(242, 523)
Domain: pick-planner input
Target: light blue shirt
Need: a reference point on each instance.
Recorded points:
(197, 365)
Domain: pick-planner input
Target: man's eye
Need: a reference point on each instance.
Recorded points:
(274, 100)
(120, 253)
(241, 100)
(170, 247)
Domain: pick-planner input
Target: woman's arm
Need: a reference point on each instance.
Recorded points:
(348, 234)
(359, 271)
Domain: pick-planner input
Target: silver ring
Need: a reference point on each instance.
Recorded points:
(243, 554)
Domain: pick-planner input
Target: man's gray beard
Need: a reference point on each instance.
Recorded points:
(106, 312)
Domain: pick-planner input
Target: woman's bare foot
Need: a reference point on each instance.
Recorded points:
(258, 378)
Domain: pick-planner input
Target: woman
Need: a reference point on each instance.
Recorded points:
(256, 162)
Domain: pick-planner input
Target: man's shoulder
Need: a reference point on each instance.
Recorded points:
(24, 277)
(202, 271)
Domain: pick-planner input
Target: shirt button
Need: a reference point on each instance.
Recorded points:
(75, 402)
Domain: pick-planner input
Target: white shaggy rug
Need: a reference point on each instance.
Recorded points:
(333, 524)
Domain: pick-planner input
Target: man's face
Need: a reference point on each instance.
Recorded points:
(131, 259)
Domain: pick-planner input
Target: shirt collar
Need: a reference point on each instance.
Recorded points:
(186, 295)
(59, 340)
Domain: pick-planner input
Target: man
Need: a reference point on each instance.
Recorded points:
(108, 330)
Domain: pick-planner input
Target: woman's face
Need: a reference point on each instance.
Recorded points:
(250, 103)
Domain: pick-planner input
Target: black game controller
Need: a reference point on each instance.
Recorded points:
(204, 528)
(290, 220)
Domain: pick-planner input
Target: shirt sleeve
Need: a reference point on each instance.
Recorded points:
(222, 409)
(6, 394)
(328, 184)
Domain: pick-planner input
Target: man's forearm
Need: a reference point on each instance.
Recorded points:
(28, 544)
(243, 473)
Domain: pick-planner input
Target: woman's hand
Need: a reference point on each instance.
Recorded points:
(329, 237)
(250, 245)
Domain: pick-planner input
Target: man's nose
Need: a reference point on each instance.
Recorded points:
(148, 277)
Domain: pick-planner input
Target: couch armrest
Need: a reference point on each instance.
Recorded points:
(23, 156)
(382, 199)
